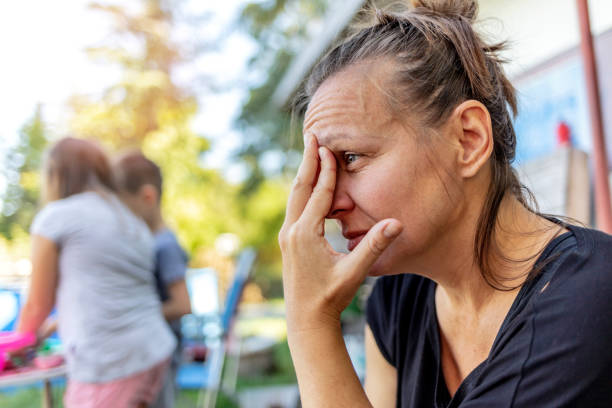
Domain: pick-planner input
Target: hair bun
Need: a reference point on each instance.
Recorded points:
(465, 8)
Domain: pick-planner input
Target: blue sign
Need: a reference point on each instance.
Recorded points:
(545, 100)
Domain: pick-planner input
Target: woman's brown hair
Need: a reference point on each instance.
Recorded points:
(77, 165)
(440, 62)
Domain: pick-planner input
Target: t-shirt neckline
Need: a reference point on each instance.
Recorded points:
(441, 394)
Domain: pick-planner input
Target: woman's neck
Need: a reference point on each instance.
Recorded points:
(519, 237)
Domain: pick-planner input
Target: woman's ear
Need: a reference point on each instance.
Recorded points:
(475, 137)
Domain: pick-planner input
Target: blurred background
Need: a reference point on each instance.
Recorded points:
(203, 88)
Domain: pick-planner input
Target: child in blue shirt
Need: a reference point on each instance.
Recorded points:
(139, 182)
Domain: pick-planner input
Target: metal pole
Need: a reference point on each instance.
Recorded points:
(603, 208)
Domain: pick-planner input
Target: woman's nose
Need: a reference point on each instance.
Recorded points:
(342, 202)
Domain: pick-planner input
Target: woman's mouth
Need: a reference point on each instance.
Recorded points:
(354, 241)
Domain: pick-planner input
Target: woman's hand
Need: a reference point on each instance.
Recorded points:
(319, 282)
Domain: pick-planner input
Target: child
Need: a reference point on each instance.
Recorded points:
(140, 186)
(92, 259)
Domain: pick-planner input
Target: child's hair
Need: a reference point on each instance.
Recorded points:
(75, 166)
(134, 170)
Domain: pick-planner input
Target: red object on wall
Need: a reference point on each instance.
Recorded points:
(563, 134)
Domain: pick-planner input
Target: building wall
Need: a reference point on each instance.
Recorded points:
(546, 68)
(555, 91)
(539, 29)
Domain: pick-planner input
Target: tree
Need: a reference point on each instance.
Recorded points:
(22, 172)
(147, 98)
(281, 29)
(148, 109)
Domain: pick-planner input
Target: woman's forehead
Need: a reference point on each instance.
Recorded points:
(354, 96)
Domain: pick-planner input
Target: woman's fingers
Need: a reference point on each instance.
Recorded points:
(322, 196)
(371, 247)
(304, 181)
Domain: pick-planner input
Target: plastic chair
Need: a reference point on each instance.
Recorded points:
(214, 330)
(202, 328)
(11, 300)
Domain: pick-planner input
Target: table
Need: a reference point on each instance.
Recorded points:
(30, 375)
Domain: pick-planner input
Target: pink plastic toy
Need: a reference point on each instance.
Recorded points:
(10, 341)
(53, 360)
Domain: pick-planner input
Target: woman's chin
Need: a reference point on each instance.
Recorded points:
(382, 267)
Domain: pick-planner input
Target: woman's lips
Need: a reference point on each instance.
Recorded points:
(353, 242)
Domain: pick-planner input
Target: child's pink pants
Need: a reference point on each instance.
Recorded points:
(129, 392)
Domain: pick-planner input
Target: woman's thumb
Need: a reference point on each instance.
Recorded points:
(373, 245)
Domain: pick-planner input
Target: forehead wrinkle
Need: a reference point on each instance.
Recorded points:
(323, 112)
(351, 99)
(326, 112)
(339, 92)
(330, 140)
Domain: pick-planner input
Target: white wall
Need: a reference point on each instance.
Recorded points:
(539, 29)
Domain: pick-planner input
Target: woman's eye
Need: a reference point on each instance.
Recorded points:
(350, 157)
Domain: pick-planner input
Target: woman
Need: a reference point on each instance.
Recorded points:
(93, 259)
(483, 302)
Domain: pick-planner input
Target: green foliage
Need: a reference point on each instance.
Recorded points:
(263, 213)
(23, 161)
(146, 100)
(280, 28)
(147, 109)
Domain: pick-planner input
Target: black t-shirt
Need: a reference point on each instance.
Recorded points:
(554, 348)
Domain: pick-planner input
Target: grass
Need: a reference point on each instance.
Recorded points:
(189, 399)
(26, 398)
(281, 373)
(32, 397)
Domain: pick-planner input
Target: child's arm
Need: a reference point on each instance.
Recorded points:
(43, 283)
(47, 329)
(178, 303)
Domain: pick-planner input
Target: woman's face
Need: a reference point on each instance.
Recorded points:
(384, 169)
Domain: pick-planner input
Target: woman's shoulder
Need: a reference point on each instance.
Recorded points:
(591, 243)
(574, 295)
(587, 264)
(561, 335)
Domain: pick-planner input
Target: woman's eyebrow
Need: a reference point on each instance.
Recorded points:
(333, 139)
